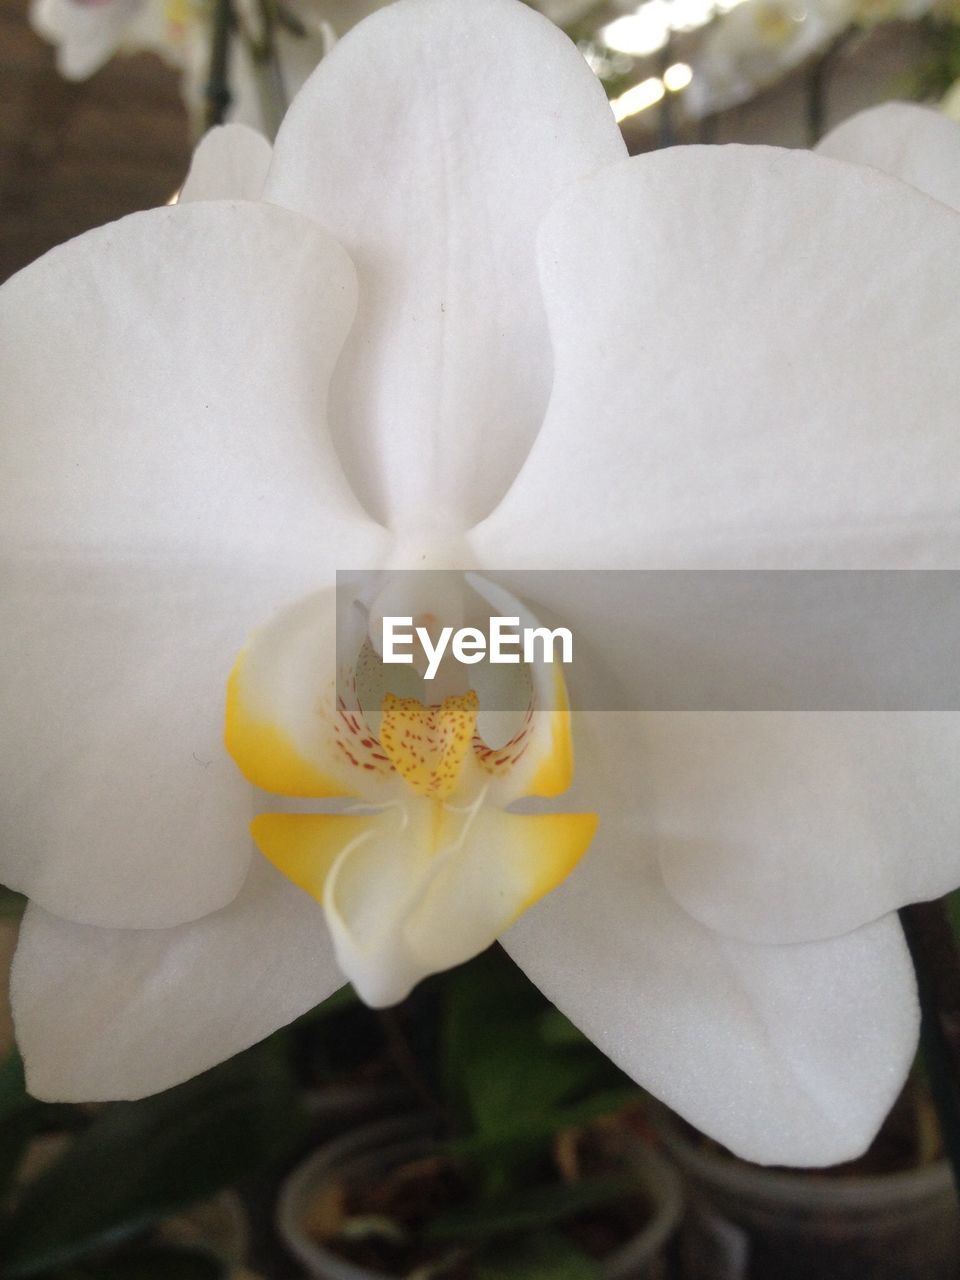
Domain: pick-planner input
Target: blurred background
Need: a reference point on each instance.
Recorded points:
(472, 1133)
(102, 99)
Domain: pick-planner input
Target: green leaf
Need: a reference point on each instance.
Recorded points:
(139, 1161)
(13, 1089)
(527, 1211)
(557, 1029)
(160, 1262)
(547, 1258)
(19, 1119)
(952, 904)
(521, 1133)
(12, 904)
(508, 1062)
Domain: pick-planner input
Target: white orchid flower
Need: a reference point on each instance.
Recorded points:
(462, 330)
(752, 47)
(870, 13)
(759, 42)
(88, 33)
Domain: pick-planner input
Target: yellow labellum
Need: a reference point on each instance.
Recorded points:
(524, 856)
(304, 846)
(266, 755)
(555, 772)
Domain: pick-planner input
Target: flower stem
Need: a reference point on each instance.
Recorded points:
(933, 948)
(405, 1060)
(267, 70)
(666, 131)
(818, 80)
(218, 88)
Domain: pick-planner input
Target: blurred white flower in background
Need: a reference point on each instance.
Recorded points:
(753, 46)
(870, 13)
(758, 42)
(87, 33)
(566, 12)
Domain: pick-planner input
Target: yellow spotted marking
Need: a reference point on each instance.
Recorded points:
(428, 745)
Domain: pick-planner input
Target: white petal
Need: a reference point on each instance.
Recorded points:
(429, 145)
(915, 143)
(782, 827)
(107, 1014)
(230, 163)
(775, 338)
(787, 1055)
(755, 366)
(86, 35)
(165, 380)
(770, 826)
(168, 486)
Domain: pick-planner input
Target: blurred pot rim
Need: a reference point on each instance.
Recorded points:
(782, 1186)
(414, 1134)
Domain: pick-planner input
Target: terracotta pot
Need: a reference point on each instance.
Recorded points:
(385, 1145)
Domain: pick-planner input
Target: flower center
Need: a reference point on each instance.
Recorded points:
(427, 745)
(431, 865)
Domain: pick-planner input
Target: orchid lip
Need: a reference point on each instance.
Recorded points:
(431, 839)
